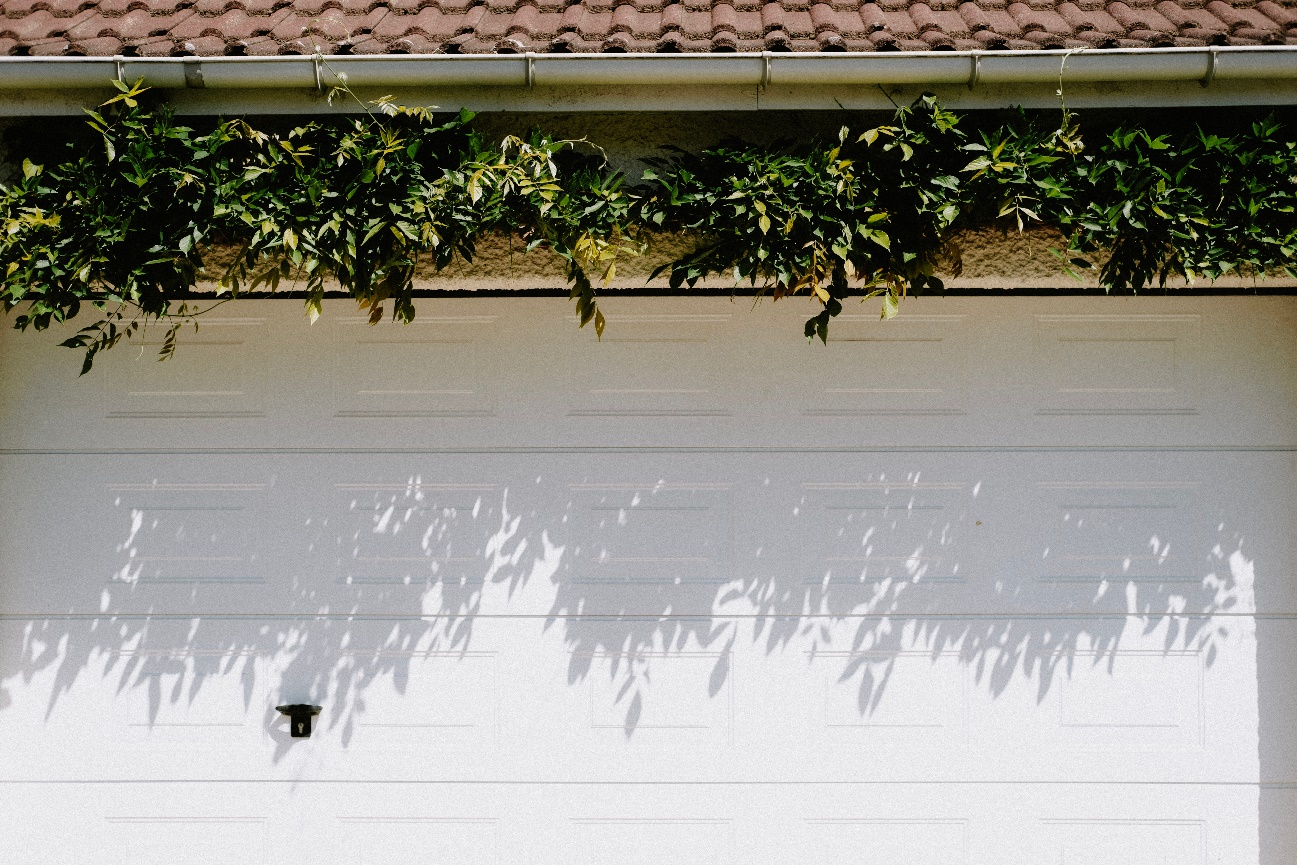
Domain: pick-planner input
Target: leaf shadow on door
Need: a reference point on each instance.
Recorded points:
(370, 596)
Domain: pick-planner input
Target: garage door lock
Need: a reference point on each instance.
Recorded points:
(299, 716)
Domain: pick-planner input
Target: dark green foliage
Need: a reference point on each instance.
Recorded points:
(123, 223)
(1205, 206)
(357, 201)
(117, 225)
(869, 214)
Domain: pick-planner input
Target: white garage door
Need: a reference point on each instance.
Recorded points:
(1006, 580)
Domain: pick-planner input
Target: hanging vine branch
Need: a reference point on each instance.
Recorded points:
(122, 221)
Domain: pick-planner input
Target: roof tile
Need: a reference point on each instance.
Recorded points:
(1283, 16)
(1188, 19)
(1227, 13)
(1266, 36)
(258, 27)
(1097, 38)
(873, 17)
(1133, 20)
(1030, 19)
(48, 48)
(900, 24)
(1081, 19)
(1003, 23)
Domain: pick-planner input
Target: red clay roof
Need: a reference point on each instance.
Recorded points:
(257, 27)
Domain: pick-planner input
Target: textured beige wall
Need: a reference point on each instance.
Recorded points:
(992, 259)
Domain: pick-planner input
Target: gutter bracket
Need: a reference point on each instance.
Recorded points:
(976, 71)
(765, 69)
(193, 73)
(1211, 68)
(316, 62)
(119, 63)
(531, 69)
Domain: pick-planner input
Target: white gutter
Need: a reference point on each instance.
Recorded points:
(581, 70)
(23, 80)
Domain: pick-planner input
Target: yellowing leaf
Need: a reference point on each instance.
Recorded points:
(891, 305)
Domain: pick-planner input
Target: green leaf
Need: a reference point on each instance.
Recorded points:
(891, 305)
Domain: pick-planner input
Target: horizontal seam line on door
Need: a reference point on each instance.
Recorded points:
(732, 783)
(649, 449)
(642, 616)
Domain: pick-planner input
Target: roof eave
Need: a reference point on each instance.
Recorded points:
(1136, 77)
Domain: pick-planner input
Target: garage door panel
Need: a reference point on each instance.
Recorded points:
(440, 366)
(686, 691)
(871, 370)
(876, 532)
(513, 373)
(650, 368)
(417, 533)
(492, 823)
(1137, 702)
(577, 699)
(663, 533)
(904, 699)
(1124, 365)
(180, 538)
(219, 375)
(217, 388)
(186, 533)
(432, 700)
(1156, 534)
(977, 825)
(164, 535)
(188, 698)
(1124, 531)
(137, 534)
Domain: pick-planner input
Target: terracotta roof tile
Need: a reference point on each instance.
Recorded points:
(900, 24)
(1189, 19)
(1003, 23)
(1283, 16)
(47, 48)
(1240, 18)
(1094, 19)
(1265, 36)
(1045, 39)
(260, 27)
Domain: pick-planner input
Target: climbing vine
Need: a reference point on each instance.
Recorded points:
(127, 220)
